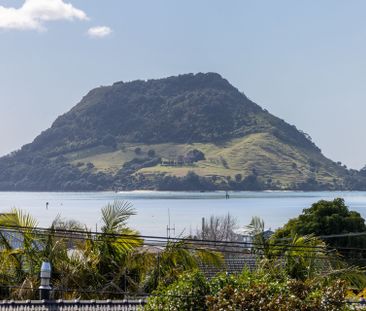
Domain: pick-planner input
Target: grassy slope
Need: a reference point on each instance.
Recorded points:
(263, 152)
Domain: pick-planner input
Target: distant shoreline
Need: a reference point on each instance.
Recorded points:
(180, 191)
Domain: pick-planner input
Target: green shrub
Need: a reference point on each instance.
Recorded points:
(249, 291)
(187, 293)
(279, 296)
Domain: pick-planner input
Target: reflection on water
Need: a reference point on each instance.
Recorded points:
(186, 208)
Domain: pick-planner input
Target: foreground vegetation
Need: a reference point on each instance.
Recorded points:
(259, 290)
(293, 271)
(114, 263)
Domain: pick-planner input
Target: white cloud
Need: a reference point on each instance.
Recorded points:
(33, 13)
(99, 32)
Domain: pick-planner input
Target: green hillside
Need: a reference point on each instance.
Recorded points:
(190, 132)
(276, 164)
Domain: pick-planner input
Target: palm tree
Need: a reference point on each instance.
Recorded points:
(70, 247)
(304, 256)
(89, 265)
(18, 256)
(177, 257)
(115, 245)
(301, 257)
(80, 260)
(260, 243)
(98, 265)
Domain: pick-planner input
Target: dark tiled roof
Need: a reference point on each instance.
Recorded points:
(232, 265)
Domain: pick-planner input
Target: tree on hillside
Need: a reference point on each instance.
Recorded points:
(151, 153)
(195, 155)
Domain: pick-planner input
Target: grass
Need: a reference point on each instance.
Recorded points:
(262, 152)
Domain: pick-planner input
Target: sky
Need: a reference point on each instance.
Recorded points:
(303, 61)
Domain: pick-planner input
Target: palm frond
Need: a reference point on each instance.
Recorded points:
(256, 226)
(208, 257)
(115, 216)
(18, 218)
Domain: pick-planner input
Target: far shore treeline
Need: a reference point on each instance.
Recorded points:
(189, 132)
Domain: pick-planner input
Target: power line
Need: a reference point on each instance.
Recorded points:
(342, 235)
(188, 245)
(197, 247)
(163, 241)
(155, 238)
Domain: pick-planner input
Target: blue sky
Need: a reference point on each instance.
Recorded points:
(304, 61)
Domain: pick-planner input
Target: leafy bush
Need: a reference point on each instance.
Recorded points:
(250, 291)
(287, 296)
(188, 293)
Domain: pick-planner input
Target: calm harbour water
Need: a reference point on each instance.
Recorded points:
(186, 208)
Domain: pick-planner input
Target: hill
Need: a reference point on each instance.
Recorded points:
(189, 132)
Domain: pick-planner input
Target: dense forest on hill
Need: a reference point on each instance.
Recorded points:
(142, 134)
(183, 109)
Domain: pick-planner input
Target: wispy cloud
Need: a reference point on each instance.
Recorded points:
(99, 32)
(34, 13)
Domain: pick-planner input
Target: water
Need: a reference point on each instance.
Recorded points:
(186, 208)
